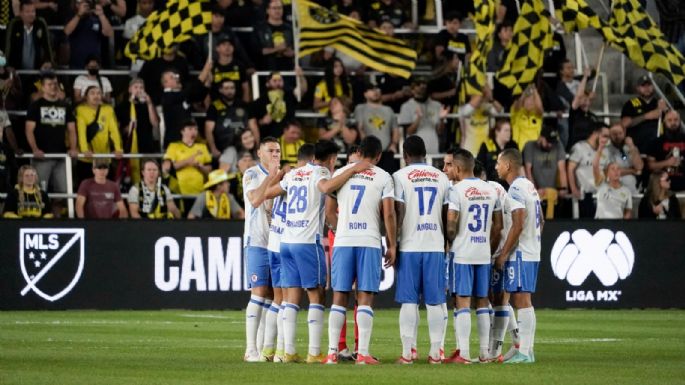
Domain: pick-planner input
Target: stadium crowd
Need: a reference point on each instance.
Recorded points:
(195, 105)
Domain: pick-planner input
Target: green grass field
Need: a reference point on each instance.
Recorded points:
(194, 347)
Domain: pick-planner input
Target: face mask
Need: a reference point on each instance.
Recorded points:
(93, 71)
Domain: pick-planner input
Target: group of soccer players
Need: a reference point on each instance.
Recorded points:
(456, 234)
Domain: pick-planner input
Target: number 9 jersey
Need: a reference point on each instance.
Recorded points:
(524, 196)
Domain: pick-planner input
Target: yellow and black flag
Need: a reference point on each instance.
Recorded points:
(320, 27)
(484, 20)
(650, 49)
(178, 22)
(532, 38)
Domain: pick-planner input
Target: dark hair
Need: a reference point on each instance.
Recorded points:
(478, 168)
(561, 65)
(189, 123)
(146, 161)
(293, 123)
(306, 152)
(502, 25)
(24, 3)
(326, 148)
(329, 78)
(454, 15)
(465, 158)
(353, 149)
(226, 80)
(47, 75)
(370, 147)
(268, 139)
(497, 126)
(94, 58)
(414, 146)
(513, 155)
(217, 10)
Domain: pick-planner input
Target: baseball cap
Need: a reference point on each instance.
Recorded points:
(643, 80)
(222, 38)
(550, 133)
(370, 85)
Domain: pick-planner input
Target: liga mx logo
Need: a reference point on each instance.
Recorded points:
(609, 256)
(51, 261)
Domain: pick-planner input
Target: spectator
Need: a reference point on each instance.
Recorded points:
(545, 163)
(228, 67)
(387, 10)
(170, 61)
(499, 138)
(345, 7)
(5, 151)
(191, 161)
(623, 151)
(11, 94)
(36, 90)
(245, 143)
(98, 130)
(27, 200)
(226, 117)
(334, 84)
(582, 122)
(581, 178)
(290, 143)
(247, 160)
(87, 31)
(526, 117)
(614, 200)
(49, 121)
(665, 152)
(567, 87)
(216, 201)
(395, 90)
(150, 198)
(270, 113)
(175, 108)
(507, 11)
(504, 32)
(373, 118)
(443, 85)
(28, 39)
(554, 57)
(659, 202)
(640, 116)
(273, 40)
(475, 120)
(451, 40)
(422, 116)
(99, 198)
(133, 24)
(220, 28)
(338, 127)
(115, 10)
(92, 78)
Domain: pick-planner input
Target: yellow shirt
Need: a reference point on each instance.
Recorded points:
(477, 127)
(190, 179)
(289, 150)
(321, 92)
(525, 126)
(107, 139)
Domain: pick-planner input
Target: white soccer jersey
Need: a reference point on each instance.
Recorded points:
(475, 200)
(359, 206)
(612, 202)
(423, 190)
(305, 204)
(505, 201)
(277, 224)
(525, 196)
(256, 219)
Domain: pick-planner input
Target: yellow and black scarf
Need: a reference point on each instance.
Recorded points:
(223, 210)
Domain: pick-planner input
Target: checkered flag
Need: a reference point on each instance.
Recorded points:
(484, 19)
(177, 23)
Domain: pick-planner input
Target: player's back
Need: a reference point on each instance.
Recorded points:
(359, 204)
(523, 192)
(475, 200)
(506, 212)
(277, 225)
(305, 204)
(423, 191)
(256, 218)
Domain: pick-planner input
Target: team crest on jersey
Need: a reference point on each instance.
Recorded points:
(422, 175)
(253, 278)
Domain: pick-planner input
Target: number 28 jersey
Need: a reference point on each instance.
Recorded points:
(359, 206)
(475, 200)
(304, 214)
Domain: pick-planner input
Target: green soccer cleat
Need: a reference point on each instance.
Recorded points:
(519, 358)
(267, 355)
(292, 358)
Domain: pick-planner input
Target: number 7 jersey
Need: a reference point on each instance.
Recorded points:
(359, 206)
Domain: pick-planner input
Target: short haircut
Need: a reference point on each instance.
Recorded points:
(454, 15)
(464, 158)
(149, 160)
(478, 168)
(513, 156)
(136, 80)
(24, 3)
(370, 147)
(353, 149)
(414, 146)
(502, 25)
(268, 139)
(48, 75)
(217, 10)
(293, 123)
(326, 148)
(93, 57)
(189, 123)
(306, 152)
(226, 80)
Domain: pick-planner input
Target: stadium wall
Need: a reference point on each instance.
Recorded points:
(199, 265)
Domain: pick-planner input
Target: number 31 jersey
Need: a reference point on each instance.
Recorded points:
(304, 215)
(359, 206)
(475, 200)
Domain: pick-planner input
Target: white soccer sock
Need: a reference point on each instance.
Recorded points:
(315, 326)
(262, 324)
(336, 320)
(408, 323)
(279, 326)
(532, 338)
(499, 329)
(253, 313)
(365, 325)
(445, 315)
(271, 328)
(417, 317)
(526, 329)
(290, 327)
(454, 327)
(513, 327)
(436, 324)
(464, 331)
(483, 322)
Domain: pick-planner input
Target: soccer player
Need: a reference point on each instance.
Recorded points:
(357, 252)
(256, 237)
(519, 258)
(421, 204)
(474, 222)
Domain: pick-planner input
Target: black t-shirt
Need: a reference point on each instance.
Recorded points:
(51, 120)
(176, 110)
(646, 131)
(581, 124)
(235, 70)
(389, 84)
(444, 83)
(151, 73)
(268, 36)
(661, 149)
(228, 120)
(146, 142)
(31, 205)
(458, 43)
(281, 113)
(379, 12)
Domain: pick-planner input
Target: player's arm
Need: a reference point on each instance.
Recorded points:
(258, 195)
(328, 186)
(332, 213)
(517, 218)
(80, 206)
(444, 224)
(452, 225)
(390, 230)
(399, 210)
(495, 231)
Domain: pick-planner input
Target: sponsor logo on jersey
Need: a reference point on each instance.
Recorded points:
(422, 175)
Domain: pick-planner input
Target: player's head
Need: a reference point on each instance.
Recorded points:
(353, 154)
(448, 165)
(305, 154)
(509, 163)
(463, 163)
(414, 149)
(371, 148)
(479, 170)
(326, 153)
(269, 152)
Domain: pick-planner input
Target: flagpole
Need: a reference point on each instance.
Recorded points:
(296, 47)
(599, 64)
(210, 47)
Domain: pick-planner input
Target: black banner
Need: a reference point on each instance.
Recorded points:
(199, 265)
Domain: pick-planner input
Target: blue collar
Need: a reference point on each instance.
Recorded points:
(472, 178)
(263, 169)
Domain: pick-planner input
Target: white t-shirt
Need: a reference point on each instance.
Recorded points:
(256, 219)
(277, 224)
(305, 204)
(359, 206)
(475, 200)
(612, 202)
(423, 190)
(82, 83)
(524, 196)
(583, 154)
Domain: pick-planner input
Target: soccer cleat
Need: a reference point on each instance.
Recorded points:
(434, 361)
(267, 355)
(404, 361)
(458, 360)
(452, 356)
(519, 358)
(251, 357)
(331, 359)
(279, 356)
(499, 359)
(366, 360)
(317, 359)
(292, 358)
(345, 355)
(512, 351)
(414, 354)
